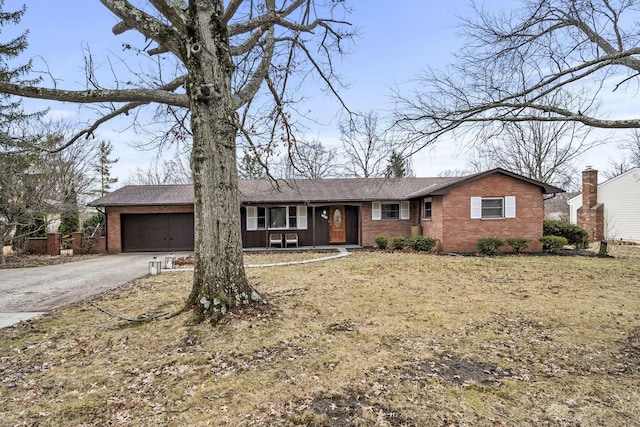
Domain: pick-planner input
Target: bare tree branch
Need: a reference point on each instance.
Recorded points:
(512, 65)
(150, 27)
(169, 10)
(96, 96)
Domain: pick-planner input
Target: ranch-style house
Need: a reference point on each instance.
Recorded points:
(456, 211)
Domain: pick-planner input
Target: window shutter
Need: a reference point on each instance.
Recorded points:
(376, 211)
(404, 210)
(510, 207)
(476, 207)
(302, 217)
(252, 218)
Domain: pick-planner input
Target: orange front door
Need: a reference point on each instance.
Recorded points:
(337, 228)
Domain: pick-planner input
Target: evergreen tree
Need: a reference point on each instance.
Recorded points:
(102, 168)
(10, 109)
(69, 218)
(250, 167)
(398, 166)
(20, 202)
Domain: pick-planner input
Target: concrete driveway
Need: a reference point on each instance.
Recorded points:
(28, 292)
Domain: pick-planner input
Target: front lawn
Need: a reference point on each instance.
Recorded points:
(374, 339)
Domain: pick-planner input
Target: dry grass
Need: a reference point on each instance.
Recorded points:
(373, 339)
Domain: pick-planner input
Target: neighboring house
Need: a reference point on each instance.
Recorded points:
(456, 211)
(610, 210)
(557, 207)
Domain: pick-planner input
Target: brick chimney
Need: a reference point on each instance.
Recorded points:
(589, 188)
(591, 214)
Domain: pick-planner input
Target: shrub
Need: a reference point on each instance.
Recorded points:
(553, 244)
(423, 244)
(69, 223)
(517, 244)
(489, 245)
(399, 242)
(574, 234)
(381, 242)
(93, 220)
(89, 225)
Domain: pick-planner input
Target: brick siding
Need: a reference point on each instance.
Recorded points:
(460, 233)
(450, 224)
(389, 228)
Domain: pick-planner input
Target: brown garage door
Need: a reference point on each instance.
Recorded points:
(157, 232)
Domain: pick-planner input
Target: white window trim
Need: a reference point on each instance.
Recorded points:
(404, 206)
(301, 218)
(508, 207)
(286, 218)
(424, 214)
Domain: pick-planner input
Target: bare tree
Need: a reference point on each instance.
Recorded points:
(26, 194)
(632, 147)
(617, 168)
(225, 53)
(36, 182)
(546, 152)
(514, 63)
(70, 168)
(311, 160)
(162, 172)
(366, 147)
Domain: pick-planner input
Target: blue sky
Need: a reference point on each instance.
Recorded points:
(397, 40)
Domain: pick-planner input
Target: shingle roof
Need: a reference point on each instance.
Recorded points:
(147, 195)
(334, 190)
(304, 190)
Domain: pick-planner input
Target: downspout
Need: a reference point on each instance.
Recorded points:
(106, 229)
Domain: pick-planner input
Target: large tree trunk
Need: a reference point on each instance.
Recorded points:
(219, 281)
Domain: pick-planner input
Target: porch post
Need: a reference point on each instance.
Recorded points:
(313, 224)
(360, 225)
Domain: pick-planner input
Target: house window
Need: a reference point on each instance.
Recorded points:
(493, 207)
(293, 217)
(262, 218)
(390, 210)
(427, 208)
(278, 217)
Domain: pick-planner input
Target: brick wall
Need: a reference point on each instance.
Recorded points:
(114, 233)
(36, 245)
(435, 227)
(87, 245)
(386, 227)
(460, 233)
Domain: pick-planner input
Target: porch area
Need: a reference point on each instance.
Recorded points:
(320, 248)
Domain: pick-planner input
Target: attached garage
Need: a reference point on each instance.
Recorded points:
(157, 232)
